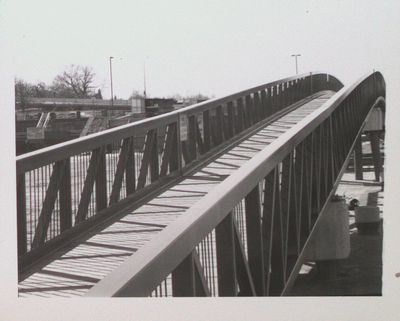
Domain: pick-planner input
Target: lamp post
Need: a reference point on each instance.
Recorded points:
(295, 58)
(144, 79)
(112, 94)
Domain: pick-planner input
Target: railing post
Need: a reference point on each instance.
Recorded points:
(254, 240)
(267, 224)
(264, 104)
(192, 128)
(206, 128)
(174, 159)
(227, 284)
(277, 275)
(226, 122)
(179, 141)
(250, 110)
(231, 119)
(302, 170)
(21, 214)
(154, 163)
(283, 91)
(65, 198)
(241, 115)
(101, 180)
(376, 154)
(358, 161)
(130, 168)
(275, 102)
(219, 125)
(257, 107)
(183, 278)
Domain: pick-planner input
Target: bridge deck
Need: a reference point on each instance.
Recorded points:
(74, 269)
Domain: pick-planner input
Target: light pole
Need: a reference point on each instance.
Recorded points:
(295, 58)
(112, 94)
(144, 79)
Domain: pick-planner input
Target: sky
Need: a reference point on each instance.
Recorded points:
(211, 47)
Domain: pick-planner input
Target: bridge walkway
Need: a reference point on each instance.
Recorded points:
(75, 268)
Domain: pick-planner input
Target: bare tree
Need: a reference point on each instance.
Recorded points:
(136, 94)
(24, 90)
(76, 81)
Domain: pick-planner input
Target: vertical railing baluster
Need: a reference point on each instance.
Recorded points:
(376, 154)
(249, 110)
(192, 128)
(257, 107)
(207, 133)
(226, 122)
(219, 125)
(264, 104)
(174, 158)
(277, 277)
(183, 278)
(293, 223)
(101, 180)
(241, 115)
(301, 172)
(130, 168)
(254, 240)
(226, 262)
(267, 225)
(274, 100)
(231, 119)
(21, 214)
(154, 162)
(65, 198)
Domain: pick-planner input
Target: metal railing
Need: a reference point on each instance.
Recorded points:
(247, 238)
(66, 188)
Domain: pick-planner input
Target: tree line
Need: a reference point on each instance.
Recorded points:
(74, 82)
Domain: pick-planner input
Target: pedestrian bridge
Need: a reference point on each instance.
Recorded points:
(217, 199)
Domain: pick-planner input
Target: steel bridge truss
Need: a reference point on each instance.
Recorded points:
(247, 238)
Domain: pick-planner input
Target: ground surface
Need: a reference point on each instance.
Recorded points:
(361, 273)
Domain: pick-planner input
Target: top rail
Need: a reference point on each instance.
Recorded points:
(57, 152)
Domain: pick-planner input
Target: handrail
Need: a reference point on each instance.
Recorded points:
(56, 152)
(61, 186)
(344, 114)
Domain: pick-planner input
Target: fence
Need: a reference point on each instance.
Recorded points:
(66, 188)
(247, 238)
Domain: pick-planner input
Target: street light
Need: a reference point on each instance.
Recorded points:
(112, 94)
(295, 57)
(144, 79)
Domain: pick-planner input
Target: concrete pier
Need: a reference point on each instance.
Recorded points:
(361, 273)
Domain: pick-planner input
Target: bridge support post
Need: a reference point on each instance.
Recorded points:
(358, 162)
(183, 278)
(191, 141)
(376, 154)
(255, 240)
(277, 275)
(331, 240)
(101, 181)
(21, 214)
(65, 198)
(227, 284)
